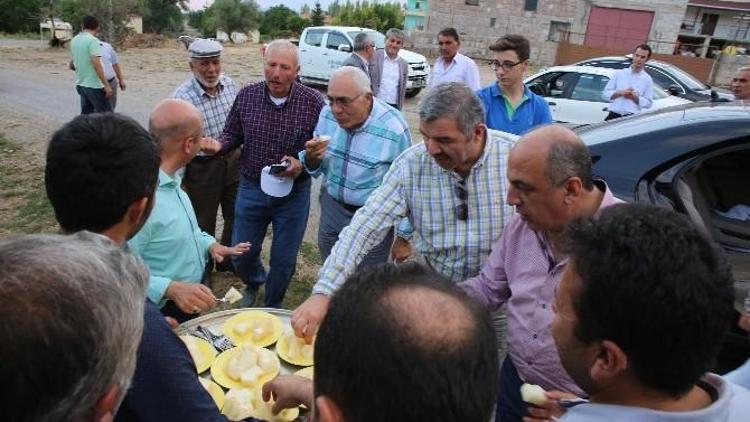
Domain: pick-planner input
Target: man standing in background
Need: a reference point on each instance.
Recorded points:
(630, 90)
(453, 66)
(391, 72)
(91, 84)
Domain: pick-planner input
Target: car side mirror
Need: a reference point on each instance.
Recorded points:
(538, 89)
(674, 90)
(344, 47)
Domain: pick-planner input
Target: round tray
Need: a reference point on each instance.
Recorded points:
(215, 321)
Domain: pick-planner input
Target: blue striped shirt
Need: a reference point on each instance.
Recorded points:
(418, 188)
(214, 108)
(357, 160)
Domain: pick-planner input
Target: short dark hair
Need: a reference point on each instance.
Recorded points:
(449, 32)
(517, 43)
(644, 47)
(569, 159)
(654, 285)
(377, 364)
(97, 166)
(90, 22)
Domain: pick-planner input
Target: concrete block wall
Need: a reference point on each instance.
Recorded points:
(726, 67)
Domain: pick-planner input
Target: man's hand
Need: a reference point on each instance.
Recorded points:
(122, 83)
(219, 252)
(293, 170)
(288, 391)
(210, 146)
(315, 150)
(306, 318)
(551, 409)
(108, 91)
(401, 249)
(191, 298)
(744, 322)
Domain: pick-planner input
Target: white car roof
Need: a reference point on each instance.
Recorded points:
(341, 28)
(579, 69)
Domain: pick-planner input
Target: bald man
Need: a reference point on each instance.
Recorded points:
(741, 84)
(550, 183)
(171, 243)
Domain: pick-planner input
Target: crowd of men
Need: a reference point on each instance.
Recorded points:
(624, 306)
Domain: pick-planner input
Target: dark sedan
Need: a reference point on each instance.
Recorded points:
(694, 159)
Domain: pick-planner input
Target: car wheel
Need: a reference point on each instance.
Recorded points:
(413, 92)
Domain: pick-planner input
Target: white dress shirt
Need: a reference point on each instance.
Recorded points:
(460, 69)
(623, 79)
(389, 77)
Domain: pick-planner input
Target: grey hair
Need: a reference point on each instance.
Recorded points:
(282, 45)
(72, 321)
(396, 33)
(361, 41)
(360, 78)
(456, 100)
(744, 69)
(569, 159)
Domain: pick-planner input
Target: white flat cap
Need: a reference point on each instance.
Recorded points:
(202, 48)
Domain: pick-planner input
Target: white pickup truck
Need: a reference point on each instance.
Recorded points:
(322, 49)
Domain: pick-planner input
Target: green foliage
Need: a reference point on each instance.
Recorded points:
(282, 22)
(113, 21)
(233, 15)
(161, 16)
(20, 15)
(380, 16)
(317, 17)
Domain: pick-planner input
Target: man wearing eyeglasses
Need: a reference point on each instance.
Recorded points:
(741, 84)
(363, 50)
(509, 104)
(550, 183)
(450, 188)
(366, 135)
(453, 66)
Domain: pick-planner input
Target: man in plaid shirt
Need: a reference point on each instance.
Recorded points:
(271, 120)
(211, 180)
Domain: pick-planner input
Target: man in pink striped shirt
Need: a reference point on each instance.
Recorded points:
(550, 184)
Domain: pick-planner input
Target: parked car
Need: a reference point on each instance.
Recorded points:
(322, 49)
(693, 159)
(668, 76)
(574, 93)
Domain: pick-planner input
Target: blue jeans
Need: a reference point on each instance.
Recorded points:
(253, 212)
(510, 406)
(93, 100)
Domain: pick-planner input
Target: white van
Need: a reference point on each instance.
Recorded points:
(322, 49)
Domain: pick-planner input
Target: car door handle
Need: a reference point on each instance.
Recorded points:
(551, 103)
(303, 51)
(605, 109)
(325, 54)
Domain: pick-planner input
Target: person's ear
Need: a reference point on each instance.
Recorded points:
(479, 132)
(105, 407)
(609, 363)
(136, 210)
(573, 188)
(327, 411)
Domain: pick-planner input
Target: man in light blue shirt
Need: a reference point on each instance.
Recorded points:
(510, 106)
(366, 135)
(171, 243)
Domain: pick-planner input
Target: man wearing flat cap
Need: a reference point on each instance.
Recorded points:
(211, 181)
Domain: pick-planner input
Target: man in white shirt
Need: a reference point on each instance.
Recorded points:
(630, 90)
(112, 71)
(390, 72)
(741, 84)
(453, 66)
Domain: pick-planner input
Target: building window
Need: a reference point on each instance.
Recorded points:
(557, 31)
(417, 5)
(529, 5)
(472, 2)
(492, 22)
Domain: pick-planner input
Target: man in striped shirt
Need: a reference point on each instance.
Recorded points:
(452, 189)
(366, 136)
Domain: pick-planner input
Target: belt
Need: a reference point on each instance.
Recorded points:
(348, 207)
(112, 79)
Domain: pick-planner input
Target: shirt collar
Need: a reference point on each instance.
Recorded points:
(495, 91)
(267, 95)
(167, 181)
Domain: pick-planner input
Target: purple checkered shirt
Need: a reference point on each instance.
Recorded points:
(267, 131)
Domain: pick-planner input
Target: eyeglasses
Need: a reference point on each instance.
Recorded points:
(342, 101)
(506, 65)
(462, 209)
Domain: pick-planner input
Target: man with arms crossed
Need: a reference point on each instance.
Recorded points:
(390, 72)
(630, 90)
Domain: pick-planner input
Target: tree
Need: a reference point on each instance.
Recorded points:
(297, 24)
(20, 15)
(113, 16)
(380, 16)
(304, 10)
(234, 15)
(276, 19)
(317, 17)
(163, 15)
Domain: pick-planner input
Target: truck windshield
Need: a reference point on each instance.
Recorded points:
(377, 37)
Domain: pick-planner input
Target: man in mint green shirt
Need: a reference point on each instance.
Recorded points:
(170, 242)
(91, 84)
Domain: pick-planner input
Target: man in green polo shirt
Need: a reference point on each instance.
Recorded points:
(91, 84)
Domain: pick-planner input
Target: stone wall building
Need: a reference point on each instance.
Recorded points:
(599, 23)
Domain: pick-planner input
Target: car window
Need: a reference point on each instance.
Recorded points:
(589, 88)
(662, 79)
(555, 84)
(335, 39)
(314, 37)
(687, 79)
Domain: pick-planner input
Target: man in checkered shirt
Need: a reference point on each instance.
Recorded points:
(211, 180)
